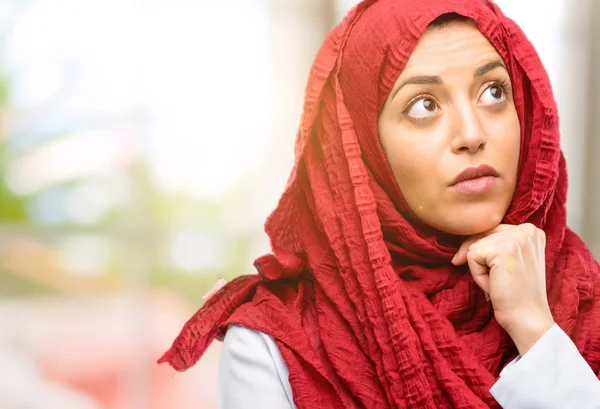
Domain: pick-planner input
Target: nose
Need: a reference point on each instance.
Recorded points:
(467, 132)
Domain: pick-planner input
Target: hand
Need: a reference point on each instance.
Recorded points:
(508, 264)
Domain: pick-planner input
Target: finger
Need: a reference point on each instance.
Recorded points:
(477, 261)
(493, 240)
(461, 255)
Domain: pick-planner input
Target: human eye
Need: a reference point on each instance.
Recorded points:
(495, 92)
(421, 107)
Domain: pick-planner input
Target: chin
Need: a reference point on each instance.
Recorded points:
(470, 229)
(469, 221)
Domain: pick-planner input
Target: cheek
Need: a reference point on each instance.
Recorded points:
(411, 157)
(516, 145)
(414, 159)
(510, 145)
(414, 167)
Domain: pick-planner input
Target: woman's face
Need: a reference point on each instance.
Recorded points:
(452, 110)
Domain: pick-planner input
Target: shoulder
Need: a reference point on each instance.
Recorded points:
(252, 371)
(250, 346)
(239, 338)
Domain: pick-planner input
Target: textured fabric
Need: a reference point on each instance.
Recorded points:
(552, 375)
(361, 298)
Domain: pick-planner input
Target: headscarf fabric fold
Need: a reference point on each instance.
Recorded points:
(360, 297)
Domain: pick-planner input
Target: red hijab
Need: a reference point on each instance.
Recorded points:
(362, 300)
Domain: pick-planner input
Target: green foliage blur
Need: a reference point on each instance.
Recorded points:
(12, 207)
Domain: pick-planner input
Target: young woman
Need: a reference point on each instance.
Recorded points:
(420, 253)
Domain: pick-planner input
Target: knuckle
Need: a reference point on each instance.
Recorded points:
(542, 235)
(521, 237)
(512, 246)
(530, 229)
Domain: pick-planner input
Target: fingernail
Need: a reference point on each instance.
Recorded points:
(454, 258)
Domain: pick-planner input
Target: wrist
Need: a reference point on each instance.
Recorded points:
(527, 331)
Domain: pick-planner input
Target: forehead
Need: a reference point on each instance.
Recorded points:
(460, 45)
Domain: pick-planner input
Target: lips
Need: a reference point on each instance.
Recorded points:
(471, 173)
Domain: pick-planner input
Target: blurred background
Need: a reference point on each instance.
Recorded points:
(142, 145)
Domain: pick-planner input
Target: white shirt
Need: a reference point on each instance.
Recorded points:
(551, 375)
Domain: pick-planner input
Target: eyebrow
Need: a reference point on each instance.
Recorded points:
(437, 80)
(484, 69)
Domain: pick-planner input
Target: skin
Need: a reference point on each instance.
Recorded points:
(509, 264)
(464, 116)
(469, 127)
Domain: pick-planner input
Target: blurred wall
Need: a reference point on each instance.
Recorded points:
(591, 162)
